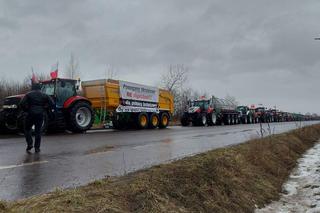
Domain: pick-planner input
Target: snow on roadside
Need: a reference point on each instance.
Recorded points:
(301, 193)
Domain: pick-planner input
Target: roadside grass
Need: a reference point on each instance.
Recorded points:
(233, 179)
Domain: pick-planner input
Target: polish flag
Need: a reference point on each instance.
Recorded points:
(54, 71)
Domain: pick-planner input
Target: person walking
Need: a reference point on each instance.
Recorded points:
(35, 104)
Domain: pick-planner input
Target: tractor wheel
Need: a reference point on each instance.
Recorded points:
(3, 128)
(212, 119)
(154, 121)
(81, 117)
(185, 120)
(142, 120)
(203, 120)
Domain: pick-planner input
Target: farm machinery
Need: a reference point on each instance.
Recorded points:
(210, 112)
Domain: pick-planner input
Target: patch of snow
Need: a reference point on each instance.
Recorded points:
(301, 193)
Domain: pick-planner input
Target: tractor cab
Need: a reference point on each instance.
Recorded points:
(202, 104)
(60, 90)
(242, 110)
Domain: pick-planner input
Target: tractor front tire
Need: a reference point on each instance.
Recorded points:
(212, 119)
(228, 119)
(81, 117)
(203, 119)
(3, 128)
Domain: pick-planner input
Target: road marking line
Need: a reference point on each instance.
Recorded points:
(23, 164)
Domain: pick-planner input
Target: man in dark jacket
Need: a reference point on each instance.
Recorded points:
(35, 104)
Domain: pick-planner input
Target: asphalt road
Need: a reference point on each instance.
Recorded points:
(69, 160)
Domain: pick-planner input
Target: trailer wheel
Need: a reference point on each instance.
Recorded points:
(142, 120)
(154, 121)
(81, 117)
(228, 119)
(237, 119)
(164, 120)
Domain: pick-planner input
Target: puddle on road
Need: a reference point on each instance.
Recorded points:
(301, 193)
(223, 133)
(167, 141)
(99, 150)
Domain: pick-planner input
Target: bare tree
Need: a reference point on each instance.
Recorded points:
(111, 72)
(175, 80)
(72, 70)
(11, 87)
(231, 99)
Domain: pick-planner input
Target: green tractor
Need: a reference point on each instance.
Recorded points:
(246, 115)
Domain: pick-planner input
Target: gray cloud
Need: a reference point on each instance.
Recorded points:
(258, 51)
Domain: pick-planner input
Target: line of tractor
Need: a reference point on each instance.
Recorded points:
(129, 105)
(216, 111)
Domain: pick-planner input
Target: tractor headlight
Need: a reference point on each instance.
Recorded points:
(13, 106)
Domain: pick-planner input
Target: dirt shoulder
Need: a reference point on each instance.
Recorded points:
(234, 179)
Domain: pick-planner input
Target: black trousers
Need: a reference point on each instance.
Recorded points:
(36, 120)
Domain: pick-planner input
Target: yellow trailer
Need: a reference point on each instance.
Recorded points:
(130, 104)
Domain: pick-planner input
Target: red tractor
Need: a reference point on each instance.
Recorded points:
(73, 112)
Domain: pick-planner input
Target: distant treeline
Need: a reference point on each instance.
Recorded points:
(14, 87)
(11, 87)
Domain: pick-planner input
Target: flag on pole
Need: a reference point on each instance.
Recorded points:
(54, 71)
(34, 78)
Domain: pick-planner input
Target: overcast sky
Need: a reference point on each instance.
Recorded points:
(258, 51)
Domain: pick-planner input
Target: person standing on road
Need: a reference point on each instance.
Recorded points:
(35, 104)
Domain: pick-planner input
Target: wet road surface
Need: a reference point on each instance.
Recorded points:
(68, 160)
